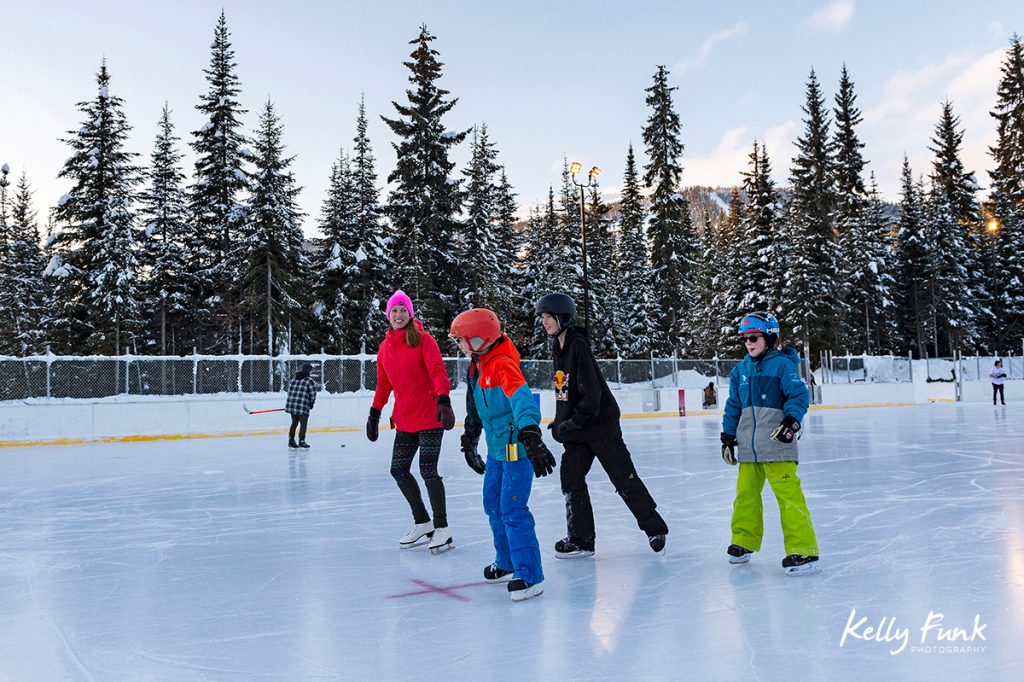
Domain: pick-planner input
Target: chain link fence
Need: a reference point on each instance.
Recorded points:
(55, 376)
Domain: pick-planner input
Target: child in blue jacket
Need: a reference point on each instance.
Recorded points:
(767, 400)
(500, 404)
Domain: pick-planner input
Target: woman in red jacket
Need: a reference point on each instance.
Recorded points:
(409, 363)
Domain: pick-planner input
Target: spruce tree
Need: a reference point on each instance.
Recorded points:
(635, 290)
(758, 256)
(600, 257)
(912, 256)
(335, 263)
(426, 200)
(727, 283)
(674, 247)
(220, 182)
(1007, 196)
(481, 261)
(531, 266)
(567, 248)
(872, 307)
(275, 268)
(166, 250)
(23, 271)
(506, 243)
(96, 247)
(810, 298)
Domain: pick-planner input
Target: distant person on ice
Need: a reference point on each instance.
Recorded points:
(301, 397)
(710, 395)
(767, 400)
(500, 404)
(998, 377)
(587, 424)
(409, 364)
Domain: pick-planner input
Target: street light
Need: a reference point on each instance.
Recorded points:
(574, 170)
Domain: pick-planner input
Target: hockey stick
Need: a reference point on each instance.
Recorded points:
(248, 411)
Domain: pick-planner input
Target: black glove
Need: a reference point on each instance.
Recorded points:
(373, 424)
(472, 458)
(729, 444)
(540, 457)
(445, 414)
(787, 430)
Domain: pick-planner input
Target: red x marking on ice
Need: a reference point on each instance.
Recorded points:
(434, 589)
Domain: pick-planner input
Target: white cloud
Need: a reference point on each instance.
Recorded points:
(722, 166)
(833, 18)
(708, 45)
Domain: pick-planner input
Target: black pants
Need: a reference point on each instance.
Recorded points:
(998, 390)
(611, 452)
(299, 420)
(429, 444)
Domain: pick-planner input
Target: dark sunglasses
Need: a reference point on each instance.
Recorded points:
(751, 337)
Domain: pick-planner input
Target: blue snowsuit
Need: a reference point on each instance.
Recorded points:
(499, 403)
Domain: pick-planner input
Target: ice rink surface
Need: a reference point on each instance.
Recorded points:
(235, 559)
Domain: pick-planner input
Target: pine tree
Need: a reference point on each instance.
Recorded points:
(335, 262)
(480, 258)
(531, 265)
(810, 298)
(165, 254)
(426, 199)
(947, 284)
(506, 243)
(23, 272)
(727, 284)
(98, 298)
(873, 282)
(758, 257)
(912, 256)
(635, 290)
(600, 257)
(217, 195)
(674, 246)
(567, 249)
(1007, 196)
(276, 274)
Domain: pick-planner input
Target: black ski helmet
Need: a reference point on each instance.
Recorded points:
(560, 306)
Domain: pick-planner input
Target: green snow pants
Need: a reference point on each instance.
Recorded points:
(748, 512)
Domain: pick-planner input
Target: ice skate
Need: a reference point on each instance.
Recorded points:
(738, 555)
(304, 445)
(292, 445)
(441, 541)
(522, 590)
(574, 548)
(419, 535)
(657, 544)
(493, 574)
(798, 564)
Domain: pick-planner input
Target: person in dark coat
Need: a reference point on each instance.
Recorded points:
(587, 424)
(301, 398)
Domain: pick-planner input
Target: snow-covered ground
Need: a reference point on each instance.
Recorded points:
(235, 559)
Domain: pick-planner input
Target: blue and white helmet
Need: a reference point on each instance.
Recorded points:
(759, 322)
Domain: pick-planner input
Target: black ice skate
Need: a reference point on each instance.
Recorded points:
(657, 543)
(574, 548)
(522, 590)
(798, 564)
(292, 445)
(419, 535)
(493, 574)
(738, 555)
(441, 541)
(304, 445)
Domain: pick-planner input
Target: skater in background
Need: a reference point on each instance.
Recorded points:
(998, 377)
(301, 397)
(587, 424)
(710, 396)
(409, 364)
(767, 399)
(500, 404)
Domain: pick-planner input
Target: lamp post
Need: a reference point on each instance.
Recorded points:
(591, 177)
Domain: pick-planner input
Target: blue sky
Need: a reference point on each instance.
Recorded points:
(551, 80)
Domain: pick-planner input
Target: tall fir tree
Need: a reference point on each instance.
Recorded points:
(674, 245)
(425, 202)
(506, 243)
(531, 265)
(810, 298)
(872, 308)
(567, 247)
(758, 257)
(600, 257)
(98, 298)
(165, 252)
(276, 274)
(23, 272)
(6, 286)
(336, 263)
(218, 193)
(727, 284)
(635, 289)
(951, 320)
(1007, 197)
(482, 264)
(912, 264)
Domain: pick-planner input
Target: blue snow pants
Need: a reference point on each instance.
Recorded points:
(506, 494)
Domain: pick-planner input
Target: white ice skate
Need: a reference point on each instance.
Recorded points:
(799, 564)
(441, 541)
(419, 535)
(522, 590)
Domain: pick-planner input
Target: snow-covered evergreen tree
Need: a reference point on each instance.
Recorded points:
(426, 200)
(335, 263)
(635, 288)
(567, 248)
(507, 244)
(726, 284)
(97, 306)
(758, 257)
(1007, 197)
(481, 261)
(600, 258)
(23, 273)
(531, 266)
(275, 269)
(912, 260)
(674, 246)
(947, 285)
(165, 253)
(871, 268)
(217, 196)
(811, 292)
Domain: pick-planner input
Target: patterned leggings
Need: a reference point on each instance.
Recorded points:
(429, 444)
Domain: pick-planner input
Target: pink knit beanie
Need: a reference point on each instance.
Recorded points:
(400, 298)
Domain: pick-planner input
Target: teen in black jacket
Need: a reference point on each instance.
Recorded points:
(587, 424)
